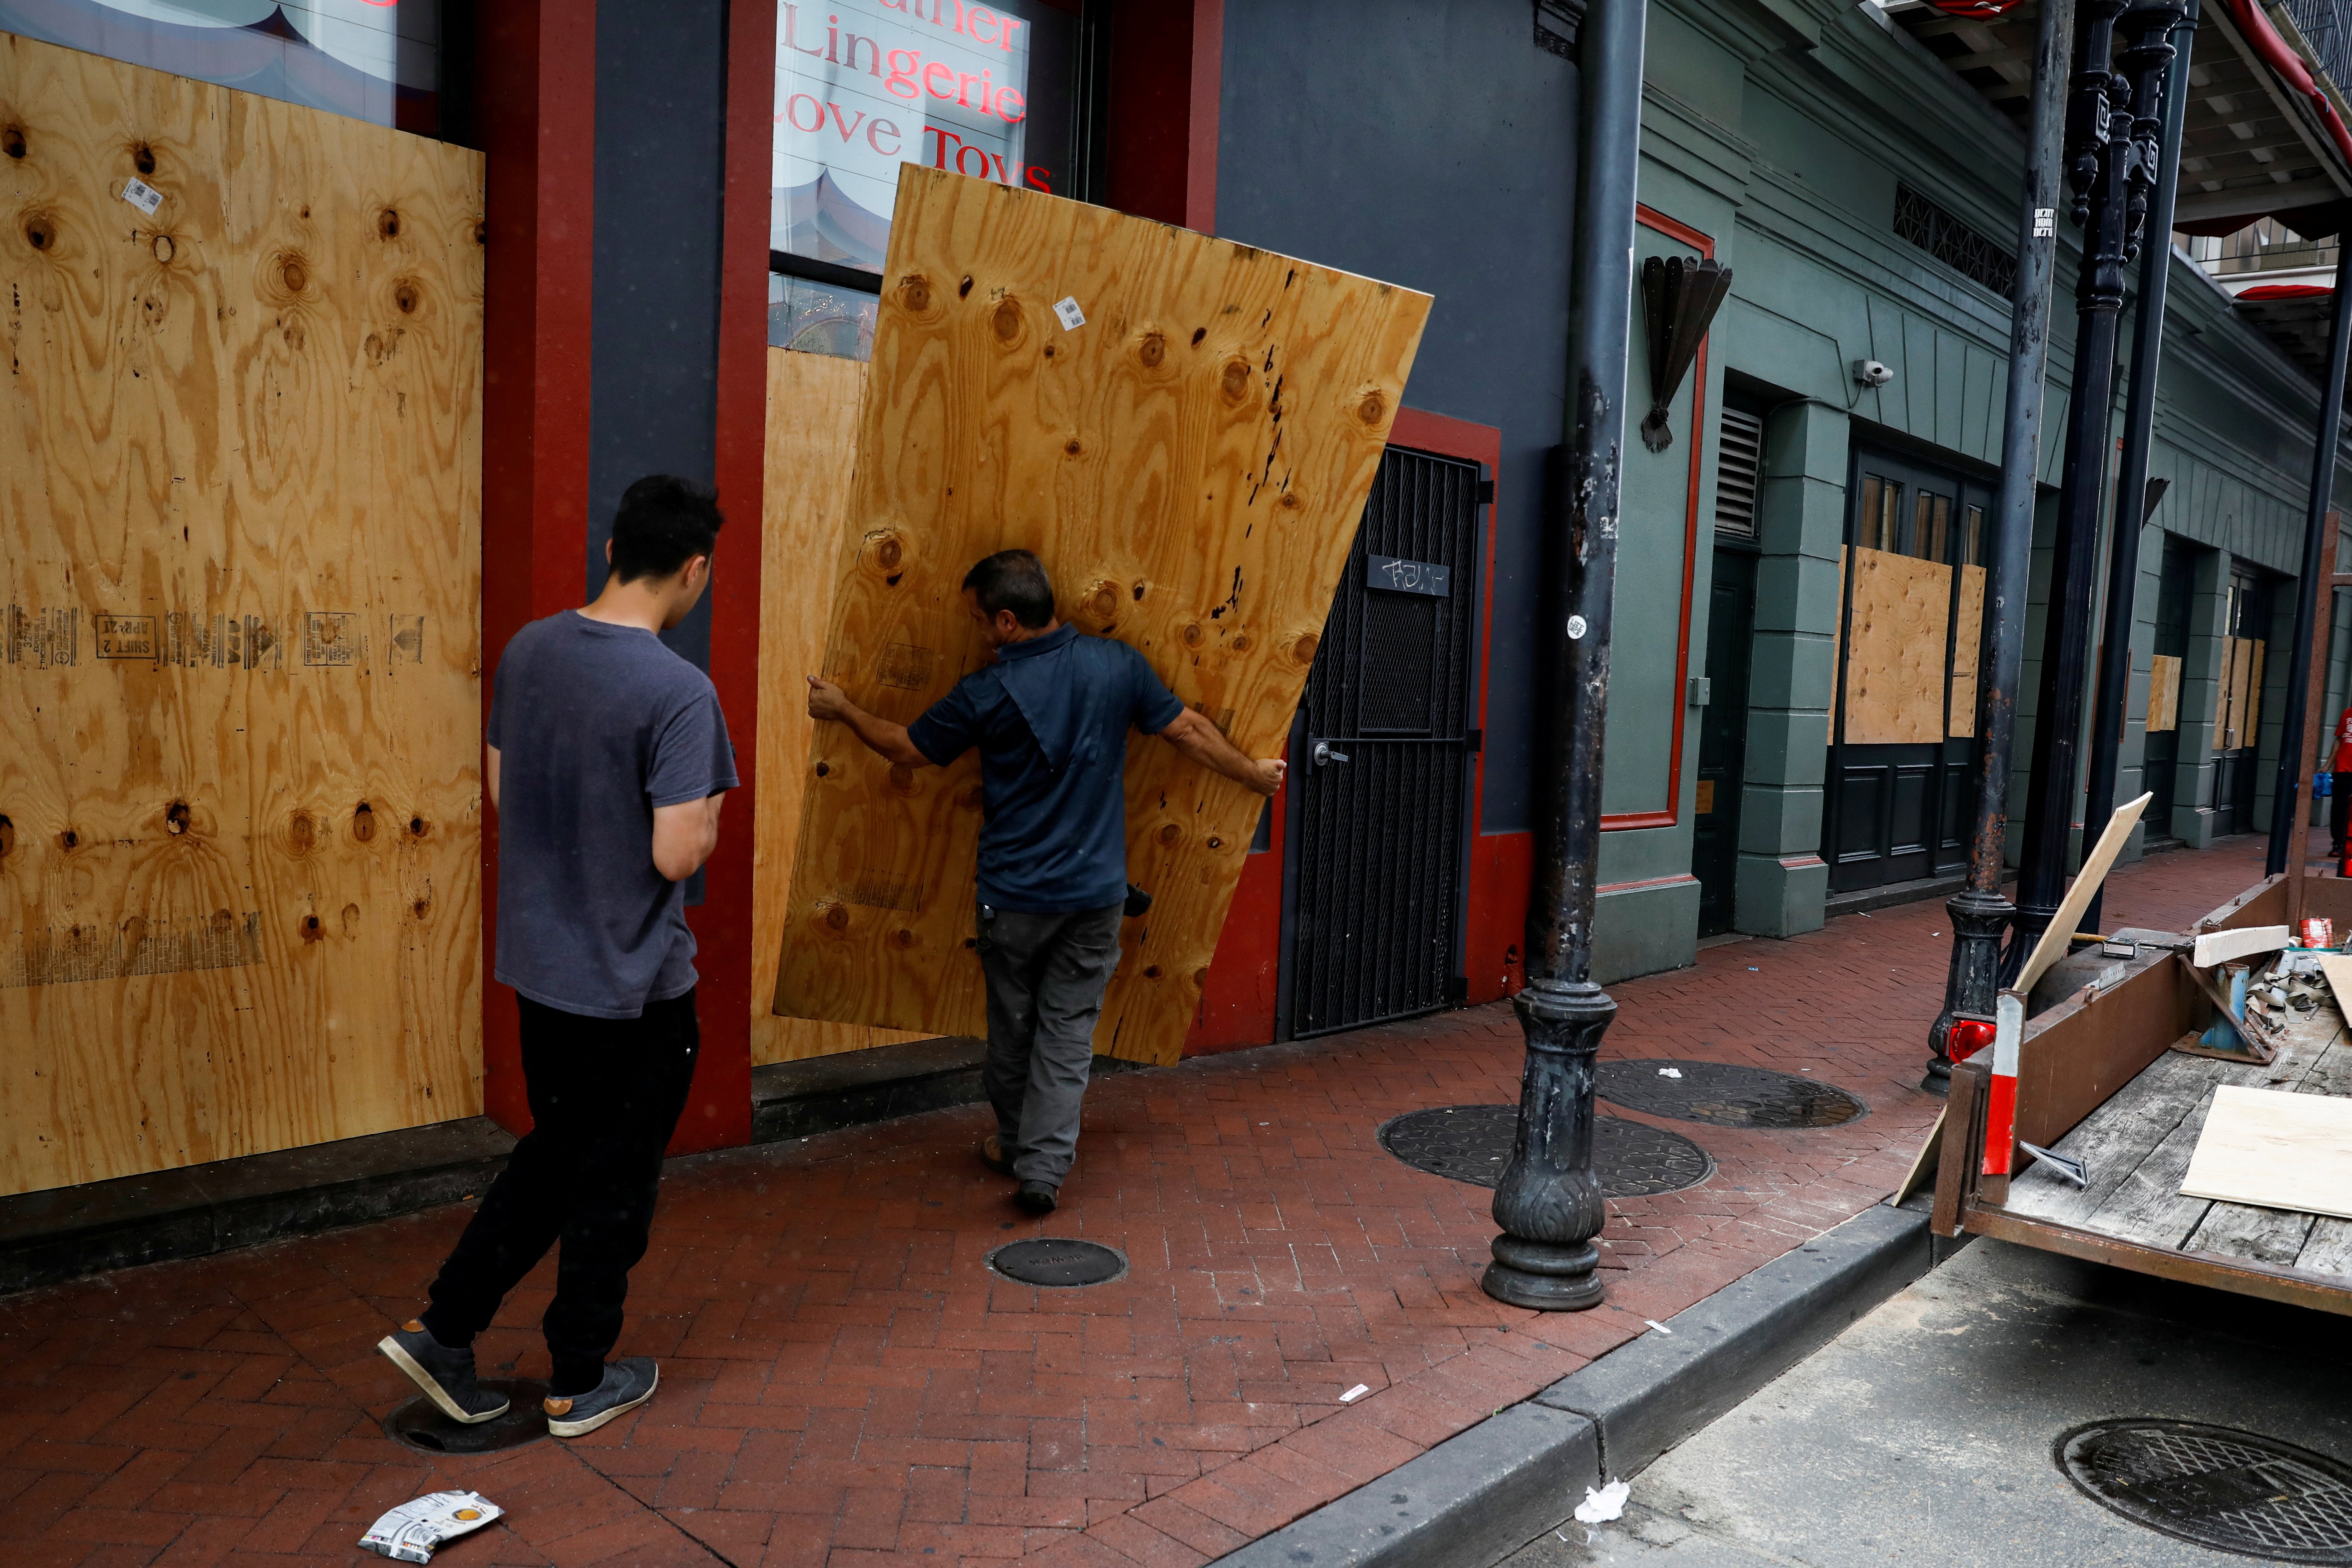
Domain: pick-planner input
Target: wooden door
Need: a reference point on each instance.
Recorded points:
(2238, 721)
(1903, 733)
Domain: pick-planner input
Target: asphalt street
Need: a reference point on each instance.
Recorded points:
(1924, 1434)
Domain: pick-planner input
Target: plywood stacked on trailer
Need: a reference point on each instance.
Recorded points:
(812, 403)
(1190, 463)
(239, 692)
(1898, 627)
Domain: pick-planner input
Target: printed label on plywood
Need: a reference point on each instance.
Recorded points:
(1204, 448)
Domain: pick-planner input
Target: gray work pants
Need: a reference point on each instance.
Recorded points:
(1045, 980)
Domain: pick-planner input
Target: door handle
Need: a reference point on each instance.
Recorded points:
(1324, 755)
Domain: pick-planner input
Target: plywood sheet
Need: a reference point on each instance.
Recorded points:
(2163, 694)
(2274, 1151)
(812, 403)
(1895, 670)
(239, 662)
(1190, 463)
(1968, 648)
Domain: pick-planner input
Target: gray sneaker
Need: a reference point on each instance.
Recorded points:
(628, 1382)
(446, 1375)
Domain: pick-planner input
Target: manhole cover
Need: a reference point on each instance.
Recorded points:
(1723, 1095)
(1055, 1262)
(2233, 1491)
(1473, 1143)
(419, 1423)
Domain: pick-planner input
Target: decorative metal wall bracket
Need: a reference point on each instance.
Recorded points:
(1680, 295)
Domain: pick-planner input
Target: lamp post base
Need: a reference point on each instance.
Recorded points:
(1548, 1202)
(1978, 922)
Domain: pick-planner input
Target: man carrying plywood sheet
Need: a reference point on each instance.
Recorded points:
(1050, 719)
(608, 758)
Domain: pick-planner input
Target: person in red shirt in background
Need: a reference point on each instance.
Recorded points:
(2340, 805)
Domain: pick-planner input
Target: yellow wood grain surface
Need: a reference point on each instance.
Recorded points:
(239, 689)
(1968, 643)
(1895, 670)
(1190, 464)
(813, 402)
(2163, 693)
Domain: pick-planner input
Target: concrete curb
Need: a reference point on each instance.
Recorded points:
(1475, 1496)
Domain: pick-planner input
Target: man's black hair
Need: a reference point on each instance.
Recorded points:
(664, 522)
(1013, 580)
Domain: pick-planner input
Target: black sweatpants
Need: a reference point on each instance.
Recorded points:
(606, 1094)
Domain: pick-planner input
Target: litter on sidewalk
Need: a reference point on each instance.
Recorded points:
(1608, 1503)
(411, 1532)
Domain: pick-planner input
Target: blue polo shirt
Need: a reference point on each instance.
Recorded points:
(1050, 718)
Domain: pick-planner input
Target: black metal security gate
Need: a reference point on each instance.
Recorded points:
(1381, 758)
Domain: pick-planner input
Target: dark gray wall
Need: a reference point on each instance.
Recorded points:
(661, 108)
(1431, 146)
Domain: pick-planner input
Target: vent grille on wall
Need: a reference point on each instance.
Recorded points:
(1739, 465)
(1951, 240)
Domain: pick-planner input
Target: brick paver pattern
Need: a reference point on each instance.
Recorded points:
(844, 1383)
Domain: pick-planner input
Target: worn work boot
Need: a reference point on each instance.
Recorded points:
(628, 1382)
(446, 1375)
(1038, 1197)
(992, 1155)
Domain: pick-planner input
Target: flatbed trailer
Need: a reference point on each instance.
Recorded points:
(2099, 1083)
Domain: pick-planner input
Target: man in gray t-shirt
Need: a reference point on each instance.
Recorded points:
(607, 762)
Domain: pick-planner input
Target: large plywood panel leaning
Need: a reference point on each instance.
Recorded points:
(811, 430)
(239, 691)
(1185, 430)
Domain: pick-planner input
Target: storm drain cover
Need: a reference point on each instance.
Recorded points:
(419, 1423)
(2233, 1491)
(1473, 1143)
(1055, 1262)
(1722, 1094)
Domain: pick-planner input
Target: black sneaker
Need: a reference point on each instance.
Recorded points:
(447, 1376)
(992, 1155)
(628, 1382)
(1036, 1198)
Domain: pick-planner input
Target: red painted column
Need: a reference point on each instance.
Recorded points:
(536, 109)
(1166, 70)
(719, 1115)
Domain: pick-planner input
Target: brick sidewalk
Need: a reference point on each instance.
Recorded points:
(843, 1383)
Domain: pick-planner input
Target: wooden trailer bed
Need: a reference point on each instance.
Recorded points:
(2099, 1083)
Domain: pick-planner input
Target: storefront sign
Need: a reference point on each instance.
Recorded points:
(865, 86)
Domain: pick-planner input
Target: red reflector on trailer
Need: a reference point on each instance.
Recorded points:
(1966, 1037)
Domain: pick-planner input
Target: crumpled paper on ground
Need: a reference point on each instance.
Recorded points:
(410, 1532)
(1608, 1503)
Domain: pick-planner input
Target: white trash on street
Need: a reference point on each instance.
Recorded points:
(1608, 1503)
(410, 1532)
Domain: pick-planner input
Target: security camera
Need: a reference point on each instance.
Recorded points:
(1870, 372)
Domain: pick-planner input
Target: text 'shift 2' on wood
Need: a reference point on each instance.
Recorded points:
(1184, 430)
(239, 689)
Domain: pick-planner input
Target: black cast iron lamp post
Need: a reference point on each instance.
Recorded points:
(1549, 1202)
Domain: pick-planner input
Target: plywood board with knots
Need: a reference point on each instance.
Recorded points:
(239, 664)
(1968, 644)
(812, 403)
(1184, 430)
(2163, 693)
(1895, 660)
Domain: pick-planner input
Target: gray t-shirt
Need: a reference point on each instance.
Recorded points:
(595, 726)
